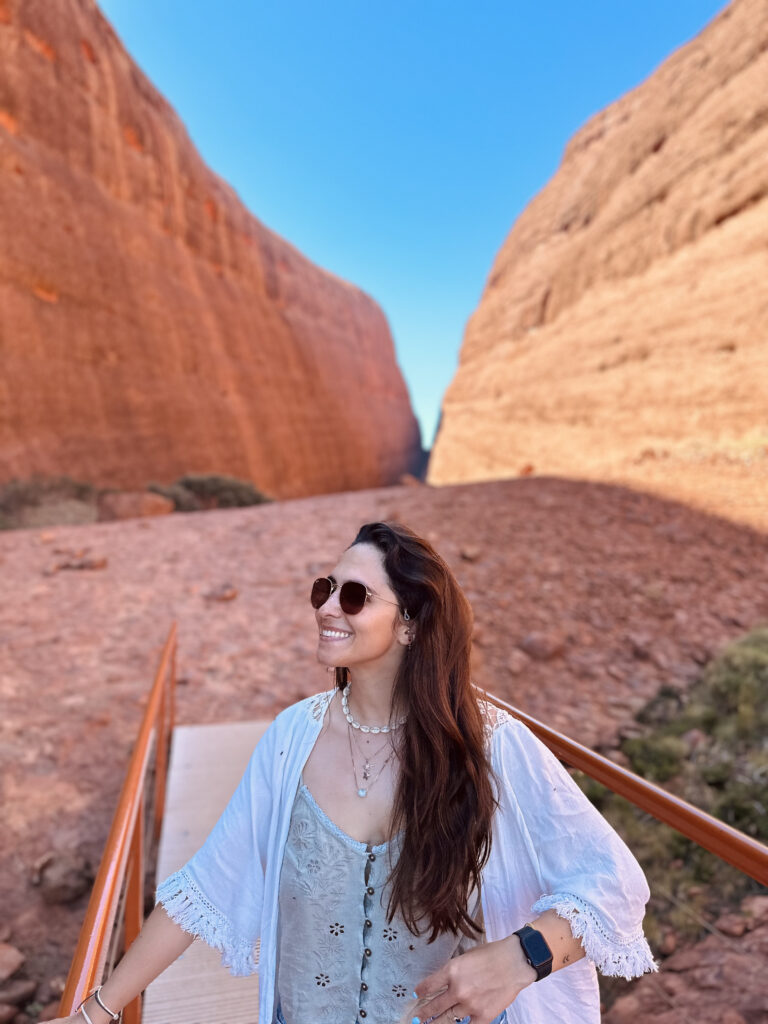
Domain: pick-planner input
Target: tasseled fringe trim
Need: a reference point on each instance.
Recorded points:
(190, 910)
(625, 957)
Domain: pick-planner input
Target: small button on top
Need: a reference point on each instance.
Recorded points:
(367, 951)
(370, 890)
(371, 856)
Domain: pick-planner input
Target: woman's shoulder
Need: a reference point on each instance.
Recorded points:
(511, 740)
(312, 707)
(291, 723)
(496, 718)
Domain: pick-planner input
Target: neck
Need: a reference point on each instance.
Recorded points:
(370, 698)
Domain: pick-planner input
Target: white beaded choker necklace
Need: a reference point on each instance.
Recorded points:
(364, 728)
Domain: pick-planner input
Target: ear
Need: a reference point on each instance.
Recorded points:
(407, 635)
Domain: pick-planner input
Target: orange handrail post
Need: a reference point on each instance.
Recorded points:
(728, 843)
(134, 904)
(123, 850)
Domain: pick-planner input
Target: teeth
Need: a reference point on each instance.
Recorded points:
(334, 633)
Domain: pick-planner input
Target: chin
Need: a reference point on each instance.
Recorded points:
(326, 658)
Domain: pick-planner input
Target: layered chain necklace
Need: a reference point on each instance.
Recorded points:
(369, 762)
(369, 766)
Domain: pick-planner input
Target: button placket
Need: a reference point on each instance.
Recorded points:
(368, 924)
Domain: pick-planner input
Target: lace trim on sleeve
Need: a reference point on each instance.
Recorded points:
(186, 905)
(619, 955)
(493, 717)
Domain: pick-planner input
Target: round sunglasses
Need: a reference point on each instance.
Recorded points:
(352, 595)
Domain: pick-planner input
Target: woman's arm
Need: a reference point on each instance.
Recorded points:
(157, 945)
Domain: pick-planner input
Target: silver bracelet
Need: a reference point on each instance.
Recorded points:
(114, 1016)
(81, 1009)
(100, 1001)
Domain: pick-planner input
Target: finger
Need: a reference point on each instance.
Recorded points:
(424, 1007)
(434, 985)
(435, 1005)
(453, 1015)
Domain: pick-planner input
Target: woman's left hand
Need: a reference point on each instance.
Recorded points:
(480, 984)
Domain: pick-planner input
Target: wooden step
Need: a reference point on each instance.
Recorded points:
(206, 764)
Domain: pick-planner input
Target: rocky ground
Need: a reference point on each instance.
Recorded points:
(587, 599)
(721, 980)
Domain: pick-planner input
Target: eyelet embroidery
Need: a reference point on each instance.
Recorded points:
(339, 920)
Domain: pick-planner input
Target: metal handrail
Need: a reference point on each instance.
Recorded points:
(728, 843)
(123, 858)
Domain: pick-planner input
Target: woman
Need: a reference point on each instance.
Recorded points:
(402, 849)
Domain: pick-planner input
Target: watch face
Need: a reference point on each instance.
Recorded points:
(537, 948)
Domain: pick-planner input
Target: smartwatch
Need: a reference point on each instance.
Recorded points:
(535, 950)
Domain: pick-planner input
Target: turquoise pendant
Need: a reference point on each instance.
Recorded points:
(362, 792)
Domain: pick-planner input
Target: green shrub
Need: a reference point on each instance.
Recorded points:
(197, 491)
(657, 758)
(724, 772)
(183, 499)
(19, 494)
(222, 491)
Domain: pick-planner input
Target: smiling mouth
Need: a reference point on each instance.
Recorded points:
(334, 634)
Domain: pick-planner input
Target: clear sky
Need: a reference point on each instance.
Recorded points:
(394, 143)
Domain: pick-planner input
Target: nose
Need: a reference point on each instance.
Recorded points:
(331, 605)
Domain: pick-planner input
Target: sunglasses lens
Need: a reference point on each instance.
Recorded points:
(321, 590)
(352, 597)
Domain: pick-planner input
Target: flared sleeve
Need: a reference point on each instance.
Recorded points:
(586, 873)
(218, 894)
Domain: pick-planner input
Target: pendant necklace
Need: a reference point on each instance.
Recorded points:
(363, 790)
(369, 762)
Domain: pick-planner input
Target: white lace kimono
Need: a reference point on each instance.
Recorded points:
(551, 849)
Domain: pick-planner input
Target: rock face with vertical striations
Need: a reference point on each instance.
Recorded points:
(149, 324)
(623, 331)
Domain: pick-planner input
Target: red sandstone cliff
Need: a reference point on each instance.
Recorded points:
(149, 324)
(623, 331)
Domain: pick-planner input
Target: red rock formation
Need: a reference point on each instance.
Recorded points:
(622, 332)
(149, 324)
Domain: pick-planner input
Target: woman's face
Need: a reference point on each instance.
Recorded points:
(378, 632)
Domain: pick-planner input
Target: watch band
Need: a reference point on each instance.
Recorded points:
(535, 950)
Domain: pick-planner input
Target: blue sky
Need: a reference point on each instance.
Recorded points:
(395, 143)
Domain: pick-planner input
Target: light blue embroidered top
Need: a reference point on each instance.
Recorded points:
(339, 959)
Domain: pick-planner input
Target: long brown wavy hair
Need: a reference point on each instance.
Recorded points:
(444, 800)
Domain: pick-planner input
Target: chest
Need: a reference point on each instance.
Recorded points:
(336, 770)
